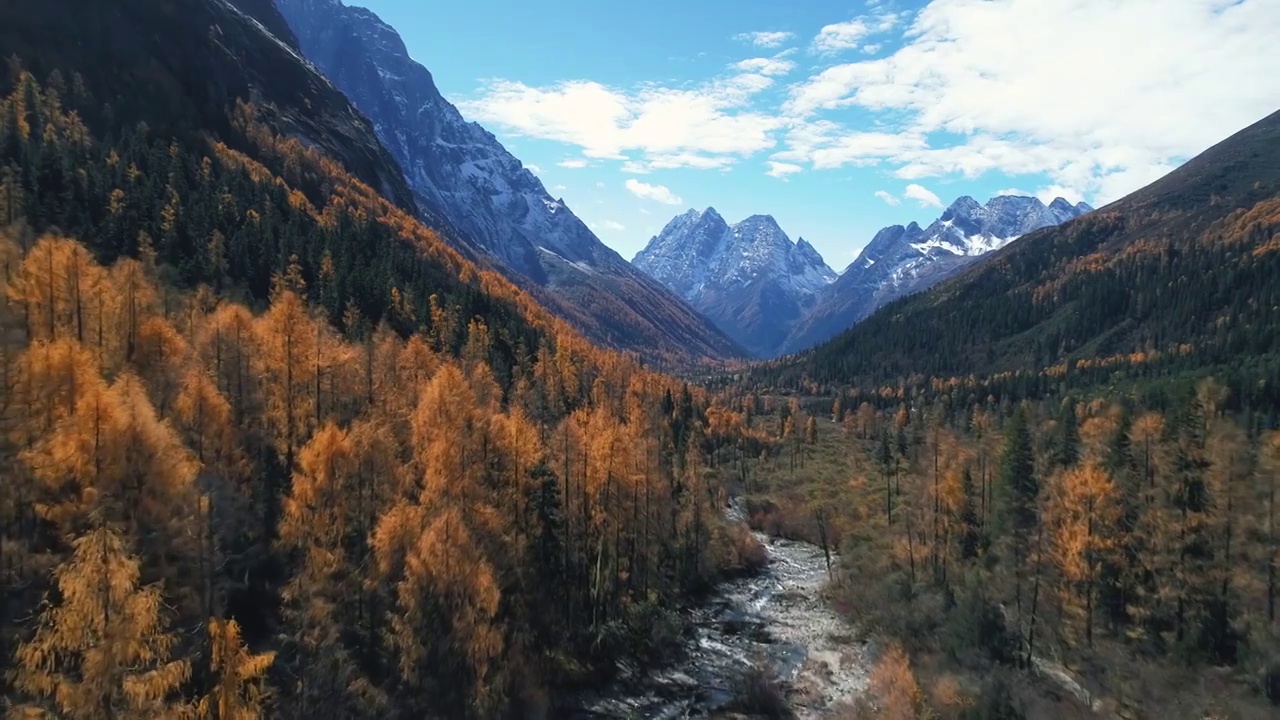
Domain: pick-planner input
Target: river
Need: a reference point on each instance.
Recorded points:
(777, 618)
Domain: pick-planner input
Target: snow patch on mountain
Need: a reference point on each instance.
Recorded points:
(749, 278)
(968, 229)
(458, 169)
(482, 199)
(901, 260)
(699, 251)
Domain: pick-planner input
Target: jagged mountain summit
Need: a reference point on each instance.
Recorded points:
(903, 260)
(748, 278)
(484, 199)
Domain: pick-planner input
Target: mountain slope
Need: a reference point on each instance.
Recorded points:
(1180, 273)
(268, 15)
(140, 75)
(749, 278)
(261, 397)
(903, 260)
(233, 112)
(482, 197)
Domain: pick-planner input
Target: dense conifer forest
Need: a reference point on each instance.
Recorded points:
(269, 447)
(996, 541)
(1062, 463)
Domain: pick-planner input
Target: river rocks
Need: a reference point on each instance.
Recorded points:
(777, 620)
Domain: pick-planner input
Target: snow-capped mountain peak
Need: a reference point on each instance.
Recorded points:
(749, 278)
(809, 253)
(969, 229)
(481, 196)
(901, 260)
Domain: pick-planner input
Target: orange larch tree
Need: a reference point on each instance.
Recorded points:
(103, 651)
(1082, 514)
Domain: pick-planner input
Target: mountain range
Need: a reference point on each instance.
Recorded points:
(1176, 277)
(701, 289)
(484, 200)
(774, 296)
(903, 260)
(750, 279)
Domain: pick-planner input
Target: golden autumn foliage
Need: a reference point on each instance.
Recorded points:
(412, 501)
(893, 683)
(103, 651)
(112, 457)
(1081, 517)
(444, 508)
(238, 693)
(1144, 539)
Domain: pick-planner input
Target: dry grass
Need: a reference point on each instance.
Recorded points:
(746, 555)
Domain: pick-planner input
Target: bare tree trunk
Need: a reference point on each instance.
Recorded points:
(1035, 597)
(911, 549)
(1271, 544)
(820, 519)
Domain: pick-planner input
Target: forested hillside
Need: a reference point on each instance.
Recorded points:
(1073, 556)
(1176, 278)
(482, 199)
(269, 446)
(1055, 476)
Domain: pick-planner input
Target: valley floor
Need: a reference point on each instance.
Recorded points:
(774, 627)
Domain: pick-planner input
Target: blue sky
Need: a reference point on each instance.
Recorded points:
(839, 118)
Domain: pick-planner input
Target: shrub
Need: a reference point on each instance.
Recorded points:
(995, 702)
(760, 695)
(749, 555)
(654, 633)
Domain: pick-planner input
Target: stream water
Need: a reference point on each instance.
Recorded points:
(777, 618)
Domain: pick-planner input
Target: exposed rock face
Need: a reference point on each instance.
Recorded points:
(749, 278)
(902, 260)
(483, 198)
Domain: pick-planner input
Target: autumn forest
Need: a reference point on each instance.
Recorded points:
(412, 510)
(270, 446)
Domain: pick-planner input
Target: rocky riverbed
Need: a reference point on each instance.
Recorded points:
(778, 620)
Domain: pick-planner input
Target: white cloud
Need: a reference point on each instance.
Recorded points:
(677, 160)
(847, 35)
(764, 39)
(1048, 194)
(1013, 191)
(533, 168)
(573, 163)
(888, 197)
(840, 36)
(614, 225)
(1058, 90)
(658, 193)
(1115, 185)
(704, 127)
(921, 195)
(599, 184)
(765, 66)
(827, 145)
(864, 148)
(1065, 91)
(781, 170)
(560, 188)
